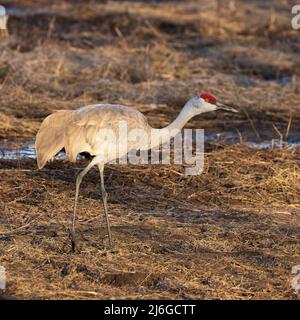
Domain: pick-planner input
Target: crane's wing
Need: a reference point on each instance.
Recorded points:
(51, 136)
(83, 130)
(96, 129)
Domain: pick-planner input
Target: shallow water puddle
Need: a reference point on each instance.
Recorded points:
(272, 144)
(14, 11)
(16, 150)
(234, 139)
(12, 150)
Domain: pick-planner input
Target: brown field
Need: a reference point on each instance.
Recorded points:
(232, 232)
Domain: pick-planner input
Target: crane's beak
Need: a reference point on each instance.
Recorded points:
(222, 106)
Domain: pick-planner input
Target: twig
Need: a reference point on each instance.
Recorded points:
(288, 127)
(240, 135)
(279, 133)
(252, 124)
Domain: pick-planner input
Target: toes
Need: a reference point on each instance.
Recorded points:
(73, 241)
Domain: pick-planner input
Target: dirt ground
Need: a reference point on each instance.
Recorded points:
(232, 232)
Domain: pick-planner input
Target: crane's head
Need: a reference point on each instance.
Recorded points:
(207, 102)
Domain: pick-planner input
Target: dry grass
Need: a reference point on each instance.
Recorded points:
(232, 232)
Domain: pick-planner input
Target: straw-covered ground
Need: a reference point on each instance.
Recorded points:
(232, 232)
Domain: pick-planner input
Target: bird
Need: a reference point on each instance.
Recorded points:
(3, 23)
(81, 130)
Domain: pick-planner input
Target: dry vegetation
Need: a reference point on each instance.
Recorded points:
(232, 232)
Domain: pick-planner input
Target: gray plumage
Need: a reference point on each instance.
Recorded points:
(76, 130)
(80, 131)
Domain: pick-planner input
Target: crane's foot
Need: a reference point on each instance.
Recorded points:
(110, 245)
(73, 241)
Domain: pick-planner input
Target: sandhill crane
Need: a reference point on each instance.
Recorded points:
(79, 131)
(3, 22)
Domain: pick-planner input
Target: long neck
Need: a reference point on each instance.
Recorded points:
(174, 127)
(184, 116)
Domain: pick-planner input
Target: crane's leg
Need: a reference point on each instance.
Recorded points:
(78, 182)
(104, 198)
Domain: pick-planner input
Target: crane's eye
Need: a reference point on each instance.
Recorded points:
(208, 97)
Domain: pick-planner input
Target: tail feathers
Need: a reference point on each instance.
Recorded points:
(50, 138)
